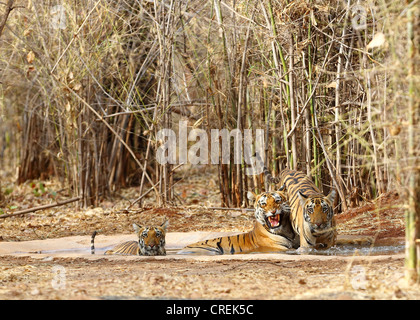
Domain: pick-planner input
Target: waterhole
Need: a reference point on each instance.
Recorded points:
(380, 247)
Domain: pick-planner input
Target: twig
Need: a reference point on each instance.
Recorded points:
(115, 134)
(9, 8)
(311, 95)
(74, 36)
(47, 206)
(230, 209)
(243, 17)
(148, 191)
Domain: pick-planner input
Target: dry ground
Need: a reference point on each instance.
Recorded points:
(83, 278)
(228, 277)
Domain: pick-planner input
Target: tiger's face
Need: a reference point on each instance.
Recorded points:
(151, 239)
(318, 211)
(270, 209)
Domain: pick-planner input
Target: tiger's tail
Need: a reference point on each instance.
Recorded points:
(268, 174)
(92, 242)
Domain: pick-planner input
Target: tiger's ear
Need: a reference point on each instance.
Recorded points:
(136, 227)
(165, 225)
(331, 196)
(251, 195)
(282, 194)
(283, 187)
(302, 198)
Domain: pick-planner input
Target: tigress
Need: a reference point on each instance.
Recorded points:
(272, 230)
(312, 214)
(151, 242)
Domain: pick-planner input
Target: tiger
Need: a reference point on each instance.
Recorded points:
(151, 242)
(272, 231)
(312, 213)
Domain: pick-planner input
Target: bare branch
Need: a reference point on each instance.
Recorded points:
(9, 8)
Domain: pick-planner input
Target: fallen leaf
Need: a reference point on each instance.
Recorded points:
(377, 41)
(77, 87)
(30, 57)
(27, 32)
(332, 84)
(30, 69)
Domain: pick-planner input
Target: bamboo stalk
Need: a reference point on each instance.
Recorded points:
(311, 120)
(115, 134)
(277, 52)
(242, 102)
(1, 195)
(337, 109)
(412, 261)
(328, 161)
(307, 126)
(292, 103)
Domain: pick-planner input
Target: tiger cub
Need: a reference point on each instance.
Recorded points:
(272, 230)
(151, 242)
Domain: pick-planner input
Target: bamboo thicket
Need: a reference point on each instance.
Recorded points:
(333, 84)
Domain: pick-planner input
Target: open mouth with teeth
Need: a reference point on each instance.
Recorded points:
(273, 221)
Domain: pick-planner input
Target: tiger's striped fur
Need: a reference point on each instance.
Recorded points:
(272, 230)
(312, 215)
(151, 242)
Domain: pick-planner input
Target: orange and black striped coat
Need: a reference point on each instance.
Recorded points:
(312, 215)
(272, 230)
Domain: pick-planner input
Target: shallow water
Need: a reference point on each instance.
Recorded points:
(342, 250)
(345, 250)
(70, 250)
(350, 250)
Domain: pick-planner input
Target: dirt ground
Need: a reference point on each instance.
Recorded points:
(265, 276)
(82, 278)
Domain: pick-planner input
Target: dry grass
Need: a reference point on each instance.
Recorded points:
(331, 99)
